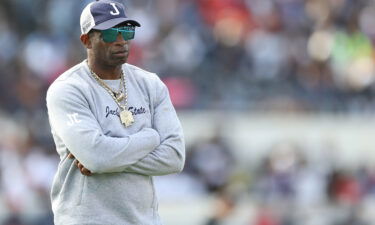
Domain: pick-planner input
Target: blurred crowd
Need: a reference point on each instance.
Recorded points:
(304, 55)
(257, 55)
(289, 186)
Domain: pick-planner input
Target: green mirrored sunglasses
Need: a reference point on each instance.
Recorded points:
(110, 35)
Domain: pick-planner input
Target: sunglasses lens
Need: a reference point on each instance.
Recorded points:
(110, 35)
(128, 34)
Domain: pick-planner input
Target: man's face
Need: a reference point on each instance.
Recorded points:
(109, 53)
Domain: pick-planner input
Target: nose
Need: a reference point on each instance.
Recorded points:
(120, 40)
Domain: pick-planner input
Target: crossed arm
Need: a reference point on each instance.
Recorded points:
(151, 151)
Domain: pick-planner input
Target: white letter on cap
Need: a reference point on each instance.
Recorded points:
(116, 12)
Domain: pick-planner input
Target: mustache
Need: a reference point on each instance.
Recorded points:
(120, 49)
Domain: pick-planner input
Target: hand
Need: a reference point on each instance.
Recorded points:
(81, 168)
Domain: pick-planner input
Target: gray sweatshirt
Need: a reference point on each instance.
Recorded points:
(85, 121)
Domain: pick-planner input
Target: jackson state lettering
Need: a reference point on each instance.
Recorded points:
(116, 112)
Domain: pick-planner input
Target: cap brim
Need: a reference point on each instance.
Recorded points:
(113, 22)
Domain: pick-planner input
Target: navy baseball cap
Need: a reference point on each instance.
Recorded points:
(102, 15)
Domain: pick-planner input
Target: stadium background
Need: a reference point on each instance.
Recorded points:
(276, 98)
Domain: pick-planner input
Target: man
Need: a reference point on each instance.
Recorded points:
(114, 127)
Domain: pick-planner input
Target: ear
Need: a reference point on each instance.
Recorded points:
(86, 41)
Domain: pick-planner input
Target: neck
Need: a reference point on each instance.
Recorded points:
(105, 72)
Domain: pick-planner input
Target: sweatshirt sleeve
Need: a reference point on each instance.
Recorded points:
(74, 123)
(169, 156)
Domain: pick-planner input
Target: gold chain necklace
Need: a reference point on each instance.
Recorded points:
(126, 116)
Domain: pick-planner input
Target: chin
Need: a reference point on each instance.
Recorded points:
(122, 61)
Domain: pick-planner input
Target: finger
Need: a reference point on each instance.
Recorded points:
(80, 166)
(86, 172)
(76, 162)
(71, 156)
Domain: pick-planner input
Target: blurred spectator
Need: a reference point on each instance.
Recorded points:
(27, 170)
(212, 162)
(265, 216)
(13, 220)
(343, 188)
(224, 205)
